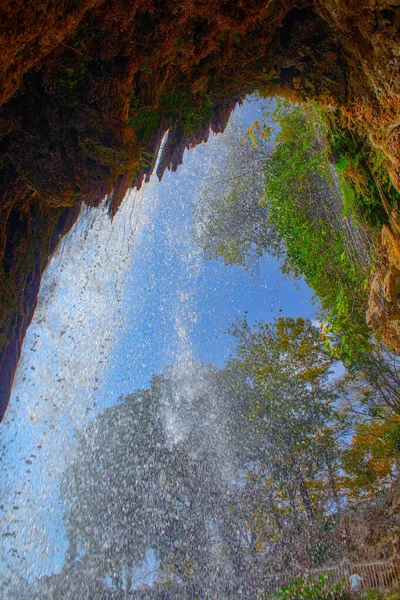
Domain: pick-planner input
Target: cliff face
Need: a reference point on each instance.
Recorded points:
(89, 87)
(383, 313)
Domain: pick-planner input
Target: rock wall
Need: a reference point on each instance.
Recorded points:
(383, 313)
(89, 87)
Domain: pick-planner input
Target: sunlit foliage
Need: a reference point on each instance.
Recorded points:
(370, 461)
(212, 480)
(302, 197)
(240, 468)
(313, 588)
(279, 194)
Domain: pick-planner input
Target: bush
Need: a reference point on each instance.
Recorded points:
(310, 588)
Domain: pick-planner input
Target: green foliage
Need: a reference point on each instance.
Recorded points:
(374, 595)
(144, 68)
(146, 158)
(364, 179)
(369, 462)
(369, 410)
(312, 589)
(216, 470)
(297, 182)
(293, 346)
(284, 197)
(144, 123)
(394, 439)
(179, 107)
(148, 473)
(290, 410)
(176, 108)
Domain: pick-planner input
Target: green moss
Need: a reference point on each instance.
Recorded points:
(178, 108)
(186, 110)
(102, 154)
(364, 179)
(144, 68)
(144, 124)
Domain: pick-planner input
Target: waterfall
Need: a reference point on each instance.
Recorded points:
(66, 358)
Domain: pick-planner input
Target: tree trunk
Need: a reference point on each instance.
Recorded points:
(128, 581)
(332, 484)
(274, 512)
(306, 499)
(292, 501)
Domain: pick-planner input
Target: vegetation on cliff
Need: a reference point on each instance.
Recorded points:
(287, 200)
(324, 248)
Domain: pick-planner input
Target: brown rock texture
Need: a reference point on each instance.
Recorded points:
(391, 284)
(383, 313)
(391, 243)
(89, 87)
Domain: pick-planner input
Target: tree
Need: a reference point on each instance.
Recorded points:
(291, 406)
(306, 206)
(231, 221)
(111, 486)
(370, 412)
(370, 462)
(221, 473)
(372, 383)
(277, 192)
(294, 345)
(155, 473)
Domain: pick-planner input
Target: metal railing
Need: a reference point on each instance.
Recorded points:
(377, 575)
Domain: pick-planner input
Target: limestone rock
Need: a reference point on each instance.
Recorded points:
(391, 241)
(383, 312)
(376, 312)
(391, 284)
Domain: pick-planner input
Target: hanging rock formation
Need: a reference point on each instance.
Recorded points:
(89, 87)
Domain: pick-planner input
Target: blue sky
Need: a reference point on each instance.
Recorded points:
(171, 281)
(119, 302)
